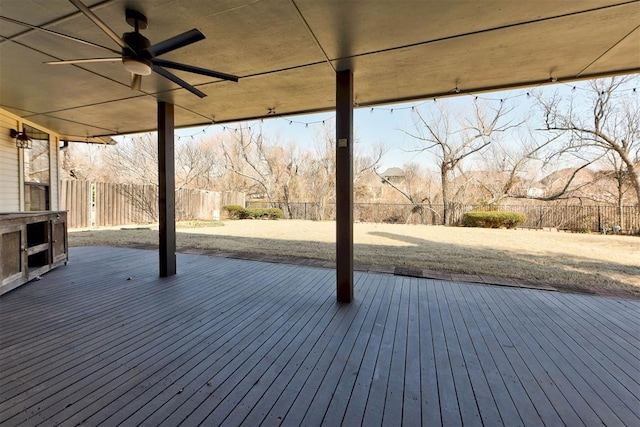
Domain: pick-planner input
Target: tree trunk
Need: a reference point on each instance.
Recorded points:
(635, 180)
(444, 179)
(633, 173)
(619, 209)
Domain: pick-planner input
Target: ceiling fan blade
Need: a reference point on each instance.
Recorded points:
(100, 23)
(176, 42)
(83, 61)
(193, 69)
(177, 80)
(136, 81)
(55, 33)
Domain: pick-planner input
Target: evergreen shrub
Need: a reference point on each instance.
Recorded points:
(493, 219)
(238, 212)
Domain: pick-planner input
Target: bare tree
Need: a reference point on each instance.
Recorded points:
(320, 172)
(84, 162)
(265, 167)
(507, 172)
(135, 161)
(609, 126)
(318, 169)
(454, 137)
(417, 189)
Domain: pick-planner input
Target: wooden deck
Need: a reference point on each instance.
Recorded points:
(233, 342)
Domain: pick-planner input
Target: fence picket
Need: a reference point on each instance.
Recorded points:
(126, 204)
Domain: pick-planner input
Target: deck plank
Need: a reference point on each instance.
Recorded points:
(367, 372)
(183, 374)
(376, 396)
(487, 407)
(105, 341)
(329, 403)
(309, 406)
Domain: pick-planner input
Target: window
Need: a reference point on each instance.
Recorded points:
(36, 171)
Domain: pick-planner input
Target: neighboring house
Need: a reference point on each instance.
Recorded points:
(393, 175)
(556, 181)
(28, 176)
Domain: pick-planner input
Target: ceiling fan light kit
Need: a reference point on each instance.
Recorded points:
(137, 66)
(139, 55)
(134, 62)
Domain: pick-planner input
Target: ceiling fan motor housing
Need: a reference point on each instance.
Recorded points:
(137, 59)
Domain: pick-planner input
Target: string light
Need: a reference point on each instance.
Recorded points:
(271, 112)
(203, 131)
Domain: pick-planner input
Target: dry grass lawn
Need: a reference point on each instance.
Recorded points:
(582, 260)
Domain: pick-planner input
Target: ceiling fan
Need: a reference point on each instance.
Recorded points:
(138, 55)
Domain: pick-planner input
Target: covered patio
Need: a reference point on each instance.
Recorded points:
(240, 60)
(215, 341)
(234, 342)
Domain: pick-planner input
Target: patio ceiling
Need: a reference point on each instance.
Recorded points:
(286, 53)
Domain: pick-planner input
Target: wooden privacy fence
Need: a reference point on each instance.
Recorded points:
(101, 204)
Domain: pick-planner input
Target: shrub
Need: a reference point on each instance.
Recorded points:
(492, 219)
(275, 213)
(257, 213)
(238, 212)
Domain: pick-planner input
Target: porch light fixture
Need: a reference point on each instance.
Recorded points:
(22, 139)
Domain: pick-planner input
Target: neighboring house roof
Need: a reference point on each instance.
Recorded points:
(393, 173)
(563, 175)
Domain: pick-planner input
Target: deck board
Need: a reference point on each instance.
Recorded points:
(104, 341)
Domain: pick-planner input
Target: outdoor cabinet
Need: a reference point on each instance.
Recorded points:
(31, 243)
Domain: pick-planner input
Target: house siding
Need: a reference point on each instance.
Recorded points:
(54, 173)
(11, 171)
(9, 166)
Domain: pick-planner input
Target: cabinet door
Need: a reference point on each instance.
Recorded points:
(59, 240)
(13, 242)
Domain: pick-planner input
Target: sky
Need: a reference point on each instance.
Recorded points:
(383, 124)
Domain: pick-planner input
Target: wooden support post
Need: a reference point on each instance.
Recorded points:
(166, 189)
(344, 185)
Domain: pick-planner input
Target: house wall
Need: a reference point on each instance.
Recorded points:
(11, 165)
(54, 158)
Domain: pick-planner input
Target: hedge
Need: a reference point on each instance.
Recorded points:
(492, 219)
(238, 212)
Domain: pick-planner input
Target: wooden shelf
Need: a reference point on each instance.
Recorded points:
(31, 243)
